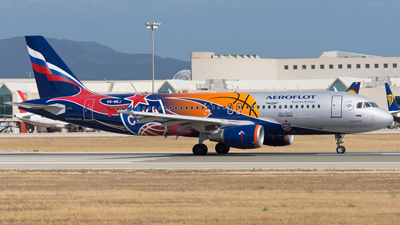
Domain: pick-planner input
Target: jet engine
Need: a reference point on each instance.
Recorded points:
(278, 140)
(244, 137)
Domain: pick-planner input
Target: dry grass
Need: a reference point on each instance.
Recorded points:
(359, 142)
(194, 197)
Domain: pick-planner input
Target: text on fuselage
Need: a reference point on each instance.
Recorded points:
(291, 97)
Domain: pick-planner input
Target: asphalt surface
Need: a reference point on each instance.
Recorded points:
(171, 160)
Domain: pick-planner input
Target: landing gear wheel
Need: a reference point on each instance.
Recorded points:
(200, 149)
(221, 148)
(340, 149)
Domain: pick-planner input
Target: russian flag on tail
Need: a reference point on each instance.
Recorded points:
(53, 77)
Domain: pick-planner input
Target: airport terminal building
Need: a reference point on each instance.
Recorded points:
(330, 65)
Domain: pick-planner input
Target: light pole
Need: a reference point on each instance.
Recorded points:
(152, 26)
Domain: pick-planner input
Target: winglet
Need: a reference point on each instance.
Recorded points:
(354, 88)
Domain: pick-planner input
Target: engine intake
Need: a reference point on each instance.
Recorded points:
(244, 137)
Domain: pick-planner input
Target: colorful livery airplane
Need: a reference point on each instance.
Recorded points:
(237, 120)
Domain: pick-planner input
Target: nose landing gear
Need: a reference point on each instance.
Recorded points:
(340, 149)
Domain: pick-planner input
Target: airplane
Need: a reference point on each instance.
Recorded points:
(41, 121)
(354, 88)
(243, 120)
(6, 127)
(393, 108)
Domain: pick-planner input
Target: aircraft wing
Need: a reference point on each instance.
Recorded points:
(200, 124)
(54, 108)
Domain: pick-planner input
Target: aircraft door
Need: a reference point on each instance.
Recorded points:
(336, 106)
(88, 109)
(229, 109)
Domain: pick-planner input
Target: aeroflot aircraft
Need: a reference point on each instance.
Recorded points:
(237, 120)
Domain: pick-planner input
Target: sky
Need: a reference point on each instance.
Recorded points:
(267, 28)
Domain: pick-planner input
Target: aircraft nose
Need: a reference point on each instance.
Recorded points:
(386, 118)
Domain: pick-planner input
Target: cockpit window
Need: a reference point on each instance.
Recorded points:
(366, 105)
(374, 104)
(359, 105)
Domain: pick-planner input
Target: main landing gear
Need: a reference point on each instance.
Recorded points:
(201, 149)
(340, 149)
(221, 148)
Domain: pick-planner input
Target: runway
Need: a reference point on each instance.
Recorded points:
(175, 161)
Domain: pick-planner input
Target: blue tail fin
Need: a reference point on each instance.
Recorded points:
(392, 105)
(53, 77)
(354, 87)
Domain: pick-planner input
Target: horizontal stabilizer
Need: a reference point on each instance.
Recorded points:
(54, 108)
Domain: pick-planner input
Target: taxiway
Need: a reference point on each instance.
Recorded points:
(179, 160)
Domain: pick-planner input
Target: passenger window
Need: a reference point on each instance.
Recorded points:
(302, 106)
(297, 106)
(176, 107)
(202, 107)
(359, 105)
(181, 108)
(197, 107)
(274, 106)
(308, 106)
(285, 106)
(280, 106)
(319, 106)
(106, 109)
(269, 106)
(191, 107)
(291, 106)
(247, 107)
(218, 107)
(263, 106)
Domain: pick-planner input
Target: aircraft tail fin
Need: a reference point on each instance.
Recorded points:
(354, 88)
(21, 98)
(52, 75)
(392, 105)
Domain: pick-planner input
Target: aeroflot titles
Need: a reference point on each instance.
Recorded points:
(291, 97)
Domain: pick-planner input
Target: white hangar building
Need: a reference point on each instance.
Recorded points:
(330, 65)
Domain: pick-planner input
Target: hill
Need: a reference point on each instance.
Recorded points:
(88, 61)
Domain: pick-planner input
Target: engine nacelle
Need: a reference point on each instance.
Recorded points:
(278, 140)
(244, 137)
